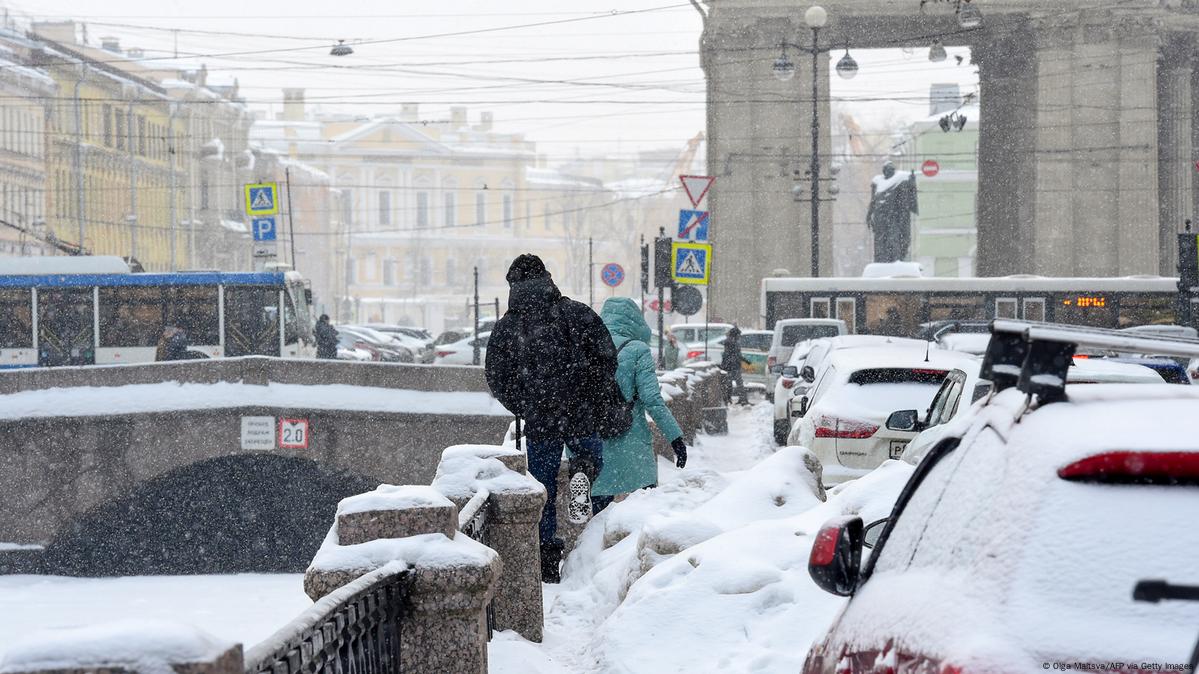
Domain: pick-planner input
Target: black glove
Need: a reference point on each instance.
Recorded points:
(680, 452)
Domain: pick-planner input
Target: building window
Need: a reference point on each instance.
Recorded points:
(120, 119)
(141, 136)
(351, 271)
(389, 271)
(451, 272)
(451, 209)
(426, 272)
(384, 207)
(422, 209)
(508, 211)
(203, 191)
(480, 209)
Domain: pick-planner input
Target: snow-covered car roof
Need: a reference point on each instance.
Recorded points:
(966, 342)
(1103, 371)
(900, 356)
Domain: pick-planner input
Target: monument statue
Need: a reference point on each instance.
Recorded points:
(892, 203)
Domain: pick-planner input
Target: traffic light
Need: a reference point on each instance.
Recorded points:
(644, 268)
(662, 275)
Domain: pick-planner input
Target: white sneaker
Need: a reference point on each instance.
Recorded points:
(579, 508)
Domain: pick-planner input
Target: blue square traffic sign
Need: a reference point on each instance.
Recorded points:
(693, 225)
(264, 228)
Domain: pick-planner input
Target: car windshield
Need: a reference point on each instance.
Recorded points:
(794, 334)
(757, 341)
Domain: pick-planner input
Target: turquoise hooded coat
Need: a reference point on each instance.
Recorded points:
(629, 461)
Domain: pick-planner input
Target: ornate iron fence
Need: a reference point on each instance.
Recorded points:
(472, 521)
(359, 634)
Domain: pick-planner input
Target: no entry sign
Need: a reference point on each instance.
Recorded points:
(930, 168)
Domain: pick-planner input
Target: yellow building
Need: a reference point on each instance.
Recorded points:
(26, 92)
(109, 160)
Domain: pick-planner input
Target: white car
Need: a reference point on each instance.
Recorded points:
(845, 415)
(949, 415)
(462, 352)
(693, 336)
(800, 372)
(791, 331)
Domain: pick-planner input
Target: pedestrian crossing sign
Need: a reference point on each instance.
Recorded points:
(262, 199)
(691, 263)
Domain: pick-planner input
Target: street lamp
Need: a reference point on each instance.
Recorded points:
(784, 69)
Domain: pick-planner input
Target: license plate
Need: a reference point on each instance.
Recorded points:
(897, 447)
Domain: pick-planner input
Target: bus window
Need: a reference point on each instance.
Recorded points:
(16, 319)
(1034, 309)
(1006, 307)
(820, 307)
(897, 315)
(1143, 310)
(130, 316)
(251, 321)
(956, 308)
(847, 311)
(65, 326)
(195, 309)
(291, 332)
(297, 300)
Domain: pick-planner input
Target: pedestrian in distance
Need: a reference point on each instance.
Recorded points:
(629, 460)
(326, 338)
(174, 344)
(551, 362)
(730, 362)
(671, 351)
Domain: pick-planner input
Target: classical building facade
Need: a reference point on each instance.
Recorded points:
(1085, 145)
(26, 92)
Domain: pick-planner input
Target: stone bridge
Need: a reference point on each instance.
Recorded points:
(198, 466)
(1085, 148)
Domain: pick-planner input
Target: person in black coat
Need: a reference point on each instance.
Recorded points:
(730, 362)
(176, 345)
(549, 362)
(326, 338)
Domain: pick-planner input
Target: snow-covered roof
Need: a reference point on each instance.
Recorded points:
(899, 356)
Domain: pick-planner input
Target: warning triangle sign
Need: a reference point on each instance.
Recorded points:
(262, 201)
(697, 187)
(690, 266)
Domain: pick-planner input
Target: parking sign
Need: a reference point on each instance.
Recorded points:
(264, 228)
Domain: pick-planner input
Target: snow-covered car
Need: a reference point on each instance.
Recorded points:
(844, 417)
(949, 414)
(1037, 538)
(351, 347)
(693, 337)
(389, 348)
(462, 352)
(800, 372)
(791, 331)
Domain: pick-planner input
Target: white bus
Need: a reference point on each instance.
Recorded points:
(94, 310)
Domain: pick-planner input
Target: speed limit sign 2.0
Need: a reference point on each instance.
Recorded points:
(293, 433)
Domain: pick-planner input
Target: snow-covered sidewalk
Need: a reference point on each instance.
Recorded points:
(708, 572)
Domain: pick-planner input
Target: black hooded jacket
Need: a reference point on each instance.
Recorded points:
(549, 360)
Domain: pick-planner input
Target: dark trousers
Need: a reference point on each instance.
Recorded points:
(598, 503)
(545, 457)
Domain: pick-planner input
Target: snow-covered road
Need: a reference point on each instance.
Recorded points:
(708, 572)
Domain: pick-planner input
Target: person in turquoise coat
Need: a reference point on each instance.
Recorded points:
(629, 460)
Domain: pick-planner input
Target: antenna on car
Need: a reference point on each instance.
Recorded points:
(927, 348)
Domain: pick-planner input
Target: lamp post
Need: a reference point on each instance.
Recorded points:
(784, 69)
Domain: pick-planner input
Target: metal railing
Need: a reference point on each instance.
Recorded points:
(355, 629)
(472, 521)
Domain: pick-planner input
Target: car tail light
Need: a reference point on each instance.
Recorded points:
(443, 354)
(1160, 468)
(788, 382)
(845, 429)
(694, 354)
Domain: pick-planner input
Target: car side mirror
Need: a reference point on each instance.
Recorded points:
(873, 532)
(808, 373)
(776, 369)
(791, 371)
(904, 420)
(836, 558)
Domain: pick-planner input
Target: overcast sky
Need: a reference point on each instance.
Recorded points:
(612, 76)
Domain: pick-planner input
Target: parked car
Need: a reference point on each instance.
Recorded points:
(390, 349)
(1169, 369)
(754, 346)
(937, 426)
(1027, 541)
(845, 417)
(693, 337)
(353, 347)
(791, 331)
(799, 374)
(462, 352)
(412, 339)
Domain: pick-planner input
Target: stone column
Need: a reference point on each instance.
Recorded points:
(1006, 172)
(452, 577)
(514, 508)
(1175, 172)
